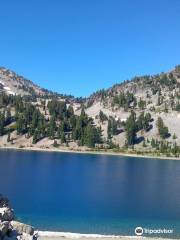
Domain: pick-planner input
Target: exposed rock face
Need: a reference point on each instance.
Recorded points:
(11, 229)
(4, 228)
(22, 228)
(6, 214)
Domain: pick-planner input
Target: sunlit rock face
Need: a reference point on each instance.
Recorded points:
(10, 229)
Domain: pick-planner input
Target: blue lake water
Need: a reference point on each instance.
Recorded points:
(91, 193)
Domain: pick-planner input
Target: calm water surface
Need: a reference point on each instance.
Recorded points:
(91, 193)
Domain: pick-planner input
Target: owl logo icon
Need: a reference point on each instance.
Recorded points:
(139, 231)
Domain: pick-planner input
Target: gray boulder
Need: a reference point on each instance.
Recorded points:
(22, 228)
(6, 214)
(26, 237)
(4, 228)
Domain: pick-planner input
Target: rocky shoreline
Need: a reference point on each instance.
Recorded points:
(10, 229)
(90, 151)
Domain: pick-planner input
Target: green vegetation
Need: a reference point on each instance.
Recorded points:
(102, 116)
(162, 129)
(2, 123)
(112, 127)
(84, 130)
(142, 104)
(134, 124)
(63, 123)
(125, 100)
(52, 116)
(166, 148)
(143, 121)
(131, 129)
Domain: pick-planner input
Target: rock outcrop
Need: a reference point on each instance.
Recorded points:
(10, 229)
(21, 228)
(6, 214)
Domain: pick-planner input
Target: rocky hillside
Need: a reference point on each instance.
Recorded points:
(161, 92)
(141, 115)
(10, 228)
(13, 84)
(158, 95)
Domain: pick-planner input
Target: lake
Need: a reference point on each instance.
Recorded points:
(89, 193)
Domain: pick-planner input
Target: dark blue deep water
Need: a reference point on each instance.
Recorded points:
(91, 193)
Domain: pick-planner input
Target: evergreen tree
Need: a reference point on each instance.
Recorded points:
(41, 126)
(130, 128)
(143, 121)
(61, 130)
(63, 138)
(9, 137)
(20, 124)
(144, 144)
(57, 108)
(141, 104)
(70, 111)
(162, 129)
(52, 127)
(174, 136)
(102, 116)
(92, 136)
(112, 127)
(78, 131)
(36, 136)
(72, 121)
(153, 143)
(109, 131)
(8, 116)
(148, 117)
(2, 123)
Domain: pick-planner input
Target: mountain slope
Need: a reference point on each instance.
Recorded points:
(165, 86)
(11, 83)
(14, 84)
(159, 95)
(142, 114)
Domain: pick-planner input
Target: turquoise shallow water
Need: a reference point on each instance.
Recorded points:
(92, 193)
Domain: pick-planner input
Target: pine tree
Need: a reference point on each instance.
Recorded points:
(153, 143)
(112, 127)
(174, 136)
(102, 116)
(130, 128)
(20, 124)
(8, 116)
(109, 131)
(144, 144)
(2, 123)
(92, 136)
(52, 127)
(70, 111)
(141, 104)
(35, 136)
(162, 129)
(63, 138)
(9, 137)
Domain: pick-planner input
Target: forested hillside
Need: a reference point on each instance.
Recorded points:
(139, 116)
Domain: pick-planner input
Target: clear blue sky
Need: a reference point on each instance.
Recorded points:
(79, 46)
